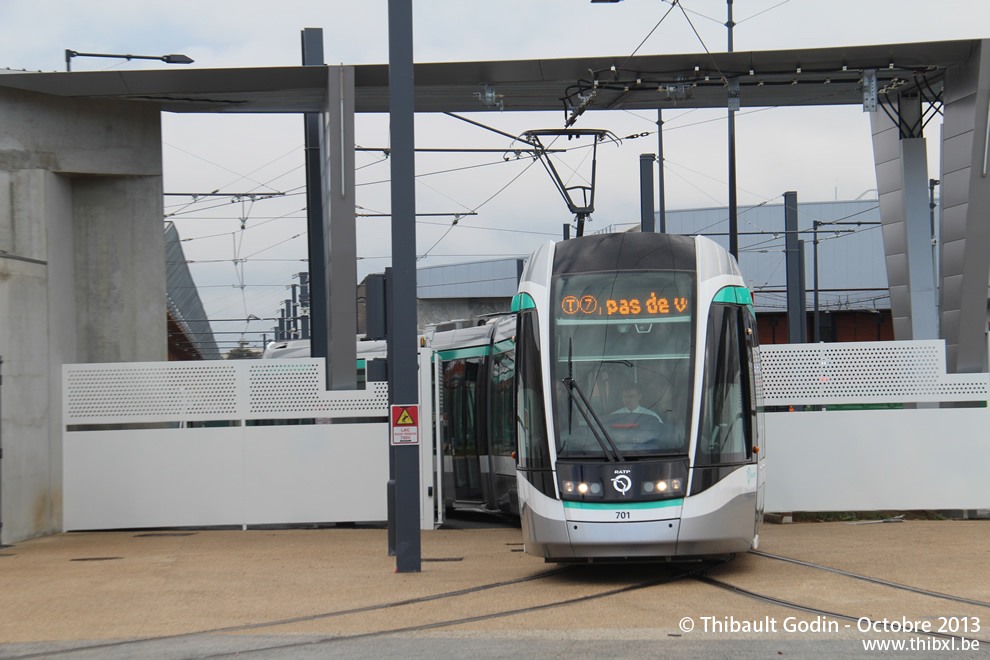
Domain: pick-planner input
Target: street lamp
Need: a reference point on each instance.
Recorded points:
(168, 59)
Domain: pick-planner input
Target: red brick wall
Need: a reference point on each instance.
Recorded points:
(836, 326)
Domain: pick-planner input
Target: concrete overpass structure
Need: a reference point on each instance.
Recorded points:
(82, 272)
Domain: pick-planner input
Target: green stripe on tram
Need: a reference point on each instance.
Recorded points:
(476, 351)
(738, 295)
(458, 353)
(522, 301)
(504, 345)
(615, 506)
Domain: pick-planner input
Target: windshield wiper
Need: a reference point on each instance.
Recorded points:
(595, 424)
(570, 376)
(611, 452)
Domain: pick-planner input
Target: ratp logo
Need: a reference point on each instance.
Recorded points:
(622, 483)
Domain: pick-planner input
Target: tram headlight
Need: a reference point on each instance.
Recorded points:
(580, 488)
(662, 486)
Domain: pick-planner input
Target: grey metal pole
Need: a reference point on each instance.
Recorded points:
(389, 370)
(340, 230)
(404, 378)
(312, 55)
(816, 331)
(803, 289)
(935, 267)
(733, 204)
(733, 211)
(304, 301)
(295, 310)
(661, 197)
(796, 319)
(647, 221)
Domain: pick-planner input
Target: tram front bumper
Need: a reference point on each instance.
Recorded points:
(656, 538)
(602, 534)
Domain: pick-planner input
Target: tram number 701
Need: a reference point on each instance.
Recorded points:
(622, 515)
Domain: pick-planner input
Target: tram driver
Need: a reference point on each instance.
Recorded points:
(631, 397)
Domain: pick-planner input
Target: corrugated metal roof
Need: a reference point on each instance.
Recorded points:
(184, 303)
(814, 76)
(852, 271)
(480, 279)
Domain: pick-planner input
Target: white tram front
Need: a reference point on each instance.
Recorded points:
(638, 406)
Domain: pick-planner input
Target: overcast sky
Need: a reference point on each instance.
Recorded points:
(823, 153)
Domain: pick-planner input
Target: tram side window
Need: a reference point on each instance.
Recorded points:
(754, 376)
(531, 421)
(460, 381)
(503, 367)
(725, 435)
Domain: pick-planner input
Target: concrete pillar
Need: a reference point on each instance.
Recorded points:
(82, 273)
(120, 269)
(964, 250)
(902, 182)
(31, 346)
(917, 225)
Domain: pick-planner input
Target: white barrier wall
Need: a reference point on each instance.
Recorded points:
(120, 473)
(840, 459)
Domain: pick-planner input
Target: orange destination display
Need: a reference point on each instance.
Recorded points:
(642, 305)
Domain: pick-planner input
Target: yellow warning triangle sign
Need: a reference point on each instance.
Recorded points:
(405, 419)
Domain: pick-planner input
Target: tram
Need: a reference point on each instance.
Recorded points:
(617, 410)
(638, 400)
(472, 394)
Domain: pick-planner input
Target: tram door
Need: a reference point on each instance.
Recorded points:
(461, 429)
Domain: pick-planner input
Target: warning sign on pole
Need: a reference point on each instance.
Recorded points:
(405, 425)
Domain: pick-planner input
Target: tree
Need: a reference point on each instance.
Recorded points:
(243, 353)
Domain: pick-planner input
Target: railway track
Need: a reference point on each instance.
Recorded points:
(576, 574)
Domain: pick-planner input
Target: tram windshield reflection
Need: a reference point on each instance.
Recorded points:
(623, 340)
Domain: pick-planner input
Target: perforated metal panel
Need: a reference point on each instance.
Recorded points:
(146, 392)
(293, 388)
(864, 372)
(118, 476)
(149, 392)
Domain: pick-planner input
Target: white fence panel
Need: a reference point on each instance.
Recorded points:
(338, 470)
(119, 473)
(864, 372)
(871, 460)
(918, 457)
(212, 390)
(153, 478)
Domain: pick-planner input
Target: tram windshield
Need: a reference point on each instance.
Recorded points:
(622, 344)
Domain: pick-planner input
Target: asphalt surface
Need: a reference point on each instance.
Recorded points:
(308, 593)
